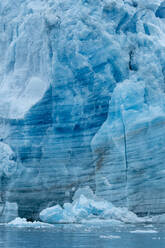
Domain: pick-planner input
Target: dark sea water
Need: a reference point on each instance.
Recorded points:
(103, 237)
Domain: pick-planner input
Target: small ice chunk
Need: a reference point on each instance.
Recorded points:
(109, 237)
(22, 222)
(52, 214)
(144, 231)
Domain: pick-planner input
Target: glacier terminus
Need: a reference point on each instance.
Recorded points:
(82, 104)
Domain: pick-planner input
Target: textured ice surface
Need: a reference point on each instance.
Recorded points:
(8, 163)
(60, 62)
(8, 168)
(8, 212)
(18, 222)
(130, 144)
(84, 209)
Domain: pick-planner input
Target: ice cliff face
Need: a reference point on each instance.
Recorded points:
(61, 63)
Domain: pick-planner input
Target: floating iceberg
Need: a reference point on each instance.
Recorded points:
(84, 209)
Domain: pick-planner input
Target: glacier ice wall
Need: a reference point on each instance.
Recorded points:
(130, 150)
(60, 62)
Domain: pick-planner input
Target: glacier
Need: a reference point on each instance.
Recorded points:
(130, 142)
(82, 103)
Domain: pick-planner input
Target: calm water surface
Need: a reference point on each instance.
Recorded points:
(63, 237)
